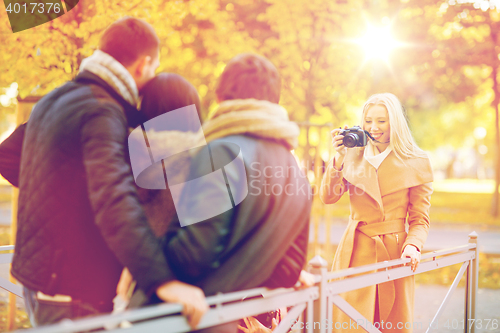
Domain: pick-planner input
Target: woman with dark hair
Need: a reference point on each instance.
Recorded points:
(172, 126)
(174, 132)
(168, 92)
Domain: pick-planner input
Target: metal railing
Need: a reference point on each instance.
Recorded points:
(6, 258)
(310, 308)
(467, 255)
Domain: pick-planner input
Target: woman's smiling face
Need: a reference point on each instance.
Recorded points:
(376, 122)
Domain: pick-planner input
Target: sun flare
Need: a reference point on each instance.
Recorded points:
(378, 43)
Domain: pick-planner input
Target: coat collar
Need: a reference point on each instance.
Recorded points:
(134, 117)
(360, 173)
(392, 175)
(372, 155)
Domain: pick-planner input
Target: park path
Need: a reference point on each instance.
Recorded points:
(429, 297)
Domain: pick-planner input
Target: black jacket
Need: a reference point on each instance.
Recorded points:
(79, 219)
(261, 241)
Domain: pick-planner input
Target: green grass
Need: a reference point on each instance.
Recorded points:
(464, 201)
(5, 196)
(469, 203)
(462, 208)
(4, 235)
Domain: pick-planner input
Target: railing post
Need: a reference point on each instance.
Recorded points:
(318, 267)
(471, 288)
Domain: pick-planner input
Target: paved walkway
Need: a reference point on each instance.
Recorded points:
(428, 298)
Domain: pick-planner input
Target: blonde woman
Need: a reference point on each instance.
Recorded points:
(389, 184)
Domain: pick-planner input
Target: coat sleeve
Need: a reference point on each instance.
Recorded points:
(418, 215)
(10, 155)
(333, 184)
(114, 199)
(287, 271)
(196, 249)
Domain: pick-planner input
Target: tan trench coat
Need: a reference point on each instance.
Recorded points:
(382, 202)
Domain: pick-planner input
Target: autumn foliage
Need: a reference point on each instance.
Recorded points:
(444, 70)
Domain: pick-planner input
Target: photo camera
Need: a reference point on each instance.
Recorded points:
(354, 137)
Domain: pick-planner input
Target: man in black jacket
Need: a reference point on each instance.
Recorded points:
(79, 219)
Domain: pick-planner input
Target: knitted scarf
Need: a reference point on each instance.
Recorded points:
(113, 73)
(251, 117)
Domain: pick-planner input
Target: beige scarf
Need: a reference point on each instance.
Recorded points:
(113, 73)
(260, 119)
(252, 117)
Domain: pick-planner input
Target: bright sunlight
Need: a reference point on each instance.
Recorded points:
(378, 43)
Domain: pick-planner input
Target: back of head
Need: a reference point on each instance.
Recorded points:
(129, 38)
(249, 76)
(402, 142)
(167, 92)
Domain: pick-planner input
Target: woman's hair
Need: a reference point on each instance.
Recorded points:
(249, 75)
(167, 92)
(402, 142)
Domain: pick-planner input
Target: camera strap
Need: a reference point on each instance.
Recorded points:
(371, 137)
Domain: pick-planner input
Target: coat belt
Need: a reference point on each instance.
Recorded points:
(386, 290)
(382, 228)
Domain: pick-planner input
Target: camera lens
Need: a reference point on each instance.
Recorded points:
(350, 140)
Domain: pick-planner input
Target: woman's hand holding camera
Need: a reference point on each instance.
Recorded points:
(337, 142)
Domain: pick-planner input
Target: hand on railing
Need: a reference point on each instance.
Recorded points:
(306, 280)
(255, 326)
(192, 298)
(123, 287)
(410, 251)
